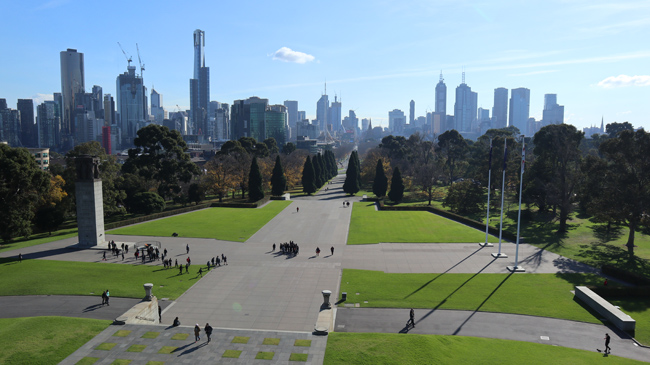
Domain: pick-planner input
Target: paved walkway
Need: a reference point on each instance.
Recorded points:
(186, 351)
(550, 331)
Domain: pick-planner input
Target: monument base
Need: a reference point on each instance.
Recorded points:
(516, 269)
(499, 255)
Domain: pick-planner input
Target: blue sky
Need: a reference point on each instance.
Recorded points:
(376, 55)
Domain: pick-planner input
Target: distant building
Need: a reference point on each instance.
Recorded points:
(49, 123)
(465, 107)
(199, 88)
(109, 110)
(322, 109)
(553, 113)
(28, 130)
(335, 115)
(292, 112)
(106, 139)
(9, 125)
(131, 104)
(441, 96)
(396, 121)
(247, 118)
(42, 156)
(520, 109)
(157, 110)
(500, 108)
(97, 101)
(72, 84)
(411, 112)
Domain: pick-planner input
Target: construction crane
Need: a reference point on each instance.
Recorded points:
(140, 62)
(128, 59)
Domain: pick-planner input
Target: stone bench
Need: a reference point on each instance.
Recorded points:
(605, 309)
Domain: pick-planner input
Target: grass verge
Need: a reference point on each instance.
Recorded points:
(298, 357)
(45, 340)
(370, 226)
(262, 355)
(384, 348)
(37, 239)
(49, 277)
(230, 224)
(233, 354)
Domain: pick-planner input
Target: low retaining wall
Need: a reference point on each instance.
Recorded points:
(605, 309)
(145, 312)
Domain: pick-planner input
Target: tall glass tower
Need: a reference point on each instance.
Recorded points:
(199, 88)
(72, 84)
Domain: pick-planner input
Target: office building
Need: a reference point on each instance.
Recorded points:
(441, 96)
(131, 104)
(48, 121)
(411, 112)
(465, 107)
(322, 107)
(199, 89)
(500, 108)
(519, 109)
(553, 113)
(292, 112)
(9, 125)
(98, 102)
(247, 118)
(42, 156)
(106, 139)
(28, 130)
(109, 110)
(157, 110)
(335, 115)
(302, 115)
(275, 123)
(396, 121)
(72, 84)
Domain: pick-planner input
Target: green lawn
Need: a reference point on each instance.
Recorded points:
(639, 309)
(45, 340)
(44, 277)
(380, 348)
(546, 295)
(229, 224)
(370, 226)
(37, 239)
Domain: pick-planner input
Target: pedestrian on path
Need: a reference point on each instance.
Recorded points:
(297, 209)
(177, 322)
(180, 270)
(108, 296)
(411, 321)
(20, 256)
(607, 348)
(274, 247)
(208, 331)
(104, 256)
(225, 259)
(332, 249)
(103, 297)
(122, 255)
(317, 251)
(187, 248)
(197, 333)
(187, 268)
(159, 314)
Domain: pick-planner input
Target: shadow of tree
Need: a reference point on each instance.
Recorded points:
(604, 235)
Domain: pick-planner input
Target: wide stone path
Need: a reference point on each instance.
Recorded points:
(176, 345)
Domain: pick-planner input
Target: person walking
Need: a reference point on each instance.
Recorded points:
(273, 247)
(332, 249)
(103, 297)
(187, 268)
(187, 248)
(180, 270)
(104, 256)
(317, 251)
(411, 320)
(208, 330)
(159, 314)
(20, 256)
(108, 296)
(607, 339)
(225, 259)
(200, 272)
(197, 333)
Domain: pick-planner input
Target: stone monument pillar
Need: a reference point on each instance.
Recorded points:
(90, 202)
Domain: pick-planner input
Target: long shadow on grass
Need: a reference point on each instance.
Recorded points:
(446, 271)
(457, 289)
(482, 303)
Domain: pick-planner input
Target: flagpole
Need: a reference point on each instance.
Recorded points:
(487, 219)
(503, 184)
(518, 268)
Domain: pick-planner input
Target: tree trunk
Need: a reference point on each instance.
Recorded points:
(564, 215)
(220, 197)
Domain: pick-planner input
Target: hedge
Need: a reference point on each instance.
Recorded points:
(625, 275)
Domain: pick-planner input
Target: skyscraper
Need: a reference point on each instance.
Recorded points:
(292, 112)
(275, 123)
(411, 112)
(500, 108)
(130, 104)
(465, 107)
(109, 110)
(28, 131)
(553, 113)
(441, 96)
(322, 107)
(335, 115)
(72, 84)
(98, 102)
(199, 88)
(48, 121)
(396, 121)
(520, 109)
(156, 106)
(247, 118)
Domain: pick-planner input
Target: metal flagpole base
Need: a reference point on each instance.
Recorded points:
(485, 244)
(499, 255)
(516, 269)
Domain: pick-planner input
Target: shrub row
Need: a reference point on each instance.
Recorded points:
(621, 292)
(625, 275)
(455, 217)
(242, 205)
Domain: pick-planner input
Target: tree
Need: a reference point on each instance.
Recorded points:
(22, 184)
(293, 165)
(272, 145)
(318, 171)
(160, 155)
(288, 148)
(308, 177)
(255, 191)
(380, 183)
(613, 129)
(195, 193)
(621, 182)
(352, 184)
(557, 147)
(396, 192)
(148, 203)
(427, 173)
(53, 209)
(464, 197)
(453, 149)
(278, 179)
(220, 177)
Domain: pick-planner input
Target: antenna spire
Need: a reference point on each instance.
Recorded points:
(463, 74)
(441, 79)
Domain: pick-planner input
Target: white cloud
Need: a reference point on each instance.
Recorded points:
(40, 98)
(625, 80)
(286, 54)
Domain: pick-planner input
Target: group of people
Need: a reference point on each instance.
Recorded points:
(116, 251)
(105, 297)
(290, 247)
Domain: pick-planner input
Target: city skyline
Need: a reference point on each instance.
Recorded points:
(372, 70)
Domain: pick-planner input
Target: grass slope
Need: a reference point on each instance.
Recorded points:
(370, 226)
(44, 277)
(45, 340)
(546, 295)
(37, 239)
(229, 224)
(380, 348)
